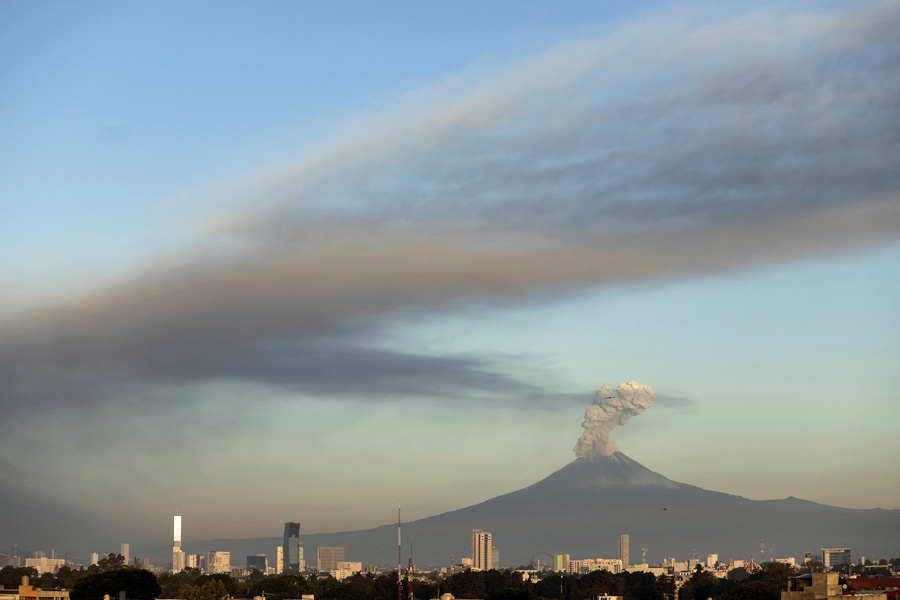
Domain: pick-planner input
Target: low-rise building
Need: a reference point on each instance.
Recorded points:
(29, 592)
(613, 565)
(344, 569)
(822, 586)
(863, 586)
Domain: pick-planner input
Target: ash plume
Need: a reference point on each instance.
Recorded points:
(611, 408)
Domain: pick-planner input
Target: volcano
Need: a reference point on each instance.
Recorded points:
(582, 508)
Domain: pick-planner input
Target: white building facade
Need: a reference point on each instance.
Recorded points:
(218, 561)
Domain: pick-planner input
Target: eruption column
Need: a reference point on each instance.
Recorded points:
(610, 408)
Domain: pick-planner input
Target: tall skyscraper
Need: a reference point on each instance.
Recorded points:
(623, 550)
(279, 559)
(177, 553)
(482, 551)
(328, 558)
(292, 552)
(126, 554)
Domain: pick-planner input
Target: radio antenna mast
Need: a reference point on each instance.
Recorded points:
(411, 571)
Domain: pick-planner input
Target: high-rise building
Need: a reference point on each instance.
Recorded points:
(482, 550)
(95, 558)
(177, 552)
(258, 562)
(328, 558)
(836, 557)
(623, 550)
(126, 554)
(293, 552)
(279, 559)
(218, 561)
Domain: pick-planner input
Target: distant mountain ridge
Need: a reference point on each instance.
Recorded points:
(582, 508)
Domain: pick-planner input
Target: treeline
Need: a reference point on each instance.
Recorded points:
(511, 585)
(489, 585)
(108, 577)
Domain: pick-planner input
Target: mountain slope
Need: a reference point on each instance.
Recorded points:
(582, 509)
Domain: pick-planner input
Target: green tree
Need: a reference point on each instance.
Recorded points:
(384, 587)
(211, 589)
(760, 590)
(493, 582)
(775, 572)
(172, 583)
(468, 584)
(596, 583)
(511, 594)
(189, 592)
(347, 591)
(46, 580)
(64, 578)
(552, 587)
(256, 575)
(277, 588)
(665, 586)
(137, 584)
(110, 562)
(700, 586)
(641, 586)
(426, 591)
(227, 582)
(11, 577)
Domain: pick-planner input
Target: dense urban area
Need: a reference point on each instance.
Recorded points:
(828, 575)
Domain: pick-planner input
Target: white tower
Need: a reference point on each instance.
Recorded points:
(177, 553)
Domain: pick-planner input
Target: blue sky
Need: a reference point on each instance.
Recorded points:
(357, 242)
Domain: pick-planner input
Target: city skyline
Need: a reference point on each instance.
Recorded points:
(484, 554)
(314, 249)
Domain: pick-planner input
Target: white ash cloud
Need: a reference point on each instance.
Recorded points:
(611, 408)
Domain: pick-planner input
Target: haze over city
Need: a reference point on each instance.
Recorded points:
(269, 262)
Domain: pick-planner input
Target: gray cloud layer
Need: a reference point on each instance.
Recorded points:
(657, 151)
